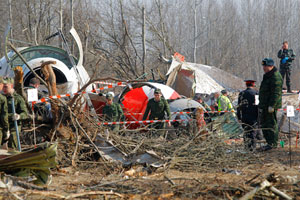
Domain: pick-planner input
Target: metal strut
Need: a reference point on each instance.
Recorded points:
(75, 35)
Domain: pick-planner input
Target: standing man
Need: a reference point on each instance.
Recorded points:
(286, 56)
(270, 94)
(199, 99)
(157, 107)
(224, 103)
(20, 108)
(112, 112)
(247, 112)
(4, 131)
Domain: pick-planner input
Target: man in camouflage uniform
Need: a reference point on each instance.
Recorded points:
(286, 56)
(270, 94)
(20, 108)
(157, 107)
(112, 112)
(4, 132)
(247, 113)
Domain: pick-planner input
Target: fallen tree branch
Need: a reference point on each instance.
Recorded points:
(93, 193)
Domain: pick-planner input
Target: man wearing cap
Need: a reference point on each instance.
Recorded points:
(286, 56)
(199, 99)
(224, 103)
(42, 110)
(4, 131)
(270, 94)
(157, 107)
(112, 112)
(247, 112)
(20, 108)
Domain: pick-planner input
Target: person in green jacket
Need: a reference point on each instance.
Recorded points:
(270, 94)
(20, 108)
(158, 107)
(286, 56)
(224, 103)
(4, 131)
(112, 112)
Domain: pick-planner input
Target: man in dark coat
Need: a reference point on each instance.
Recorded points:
(270, 94)
(158, 107)
(286, 56)
(247, 113)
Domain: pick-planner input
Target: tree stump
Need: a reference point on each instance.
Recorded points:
(19, 86)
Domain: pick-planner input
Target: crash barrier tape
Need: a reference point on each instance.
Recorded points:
(181, 113)
(122, 84)
(42, 100)
(143, 122)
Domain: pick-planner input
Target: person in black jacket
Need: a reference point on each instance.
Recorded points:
(286, 56)
(247, 113)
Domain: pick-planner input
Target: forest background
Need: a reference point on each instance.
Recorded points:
(130, 35)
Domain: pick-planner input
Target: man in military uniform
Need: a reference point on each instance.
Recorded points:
(286, 56)
(270, 94)
(4, 132)
(112, 112)
(21, 112)
(157, 107)
(247, 113)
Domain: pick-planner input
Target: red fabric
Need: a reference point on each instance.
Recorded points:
(135, 101)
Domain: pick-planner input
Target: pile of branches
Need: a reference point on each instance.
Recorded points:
(188, 152)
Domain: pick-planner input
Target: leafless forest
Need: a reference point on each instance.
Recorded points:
(129, 35)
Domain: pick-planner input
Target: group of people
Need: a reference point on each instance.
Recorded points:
(252, 114)
(155, 110)
(263, 114)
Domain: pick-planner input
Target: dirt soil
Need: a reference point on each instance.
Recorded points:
(88, 180)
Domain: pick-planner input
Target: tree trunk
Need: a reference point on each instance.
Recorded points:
(50, 79)
(144, 39)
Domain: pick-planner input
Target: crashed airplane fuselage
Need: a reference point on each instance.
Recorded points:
(66, 72)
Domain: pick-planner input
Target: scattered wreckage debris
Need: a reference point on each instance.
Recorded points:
(139, 164)
(31, 162)
(82, 140)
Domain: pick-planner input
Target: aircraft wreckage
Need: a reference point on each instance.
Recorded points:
(71, 76)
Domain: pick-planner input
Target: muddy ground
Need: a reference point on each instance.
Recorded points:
(93, 180)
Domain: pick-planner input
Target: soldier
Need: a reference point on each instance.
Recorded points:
(286, 56)
(270, 94)
(112, 112)
(247, 113)
(4, 131)
(157, 107)
(20, 108)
